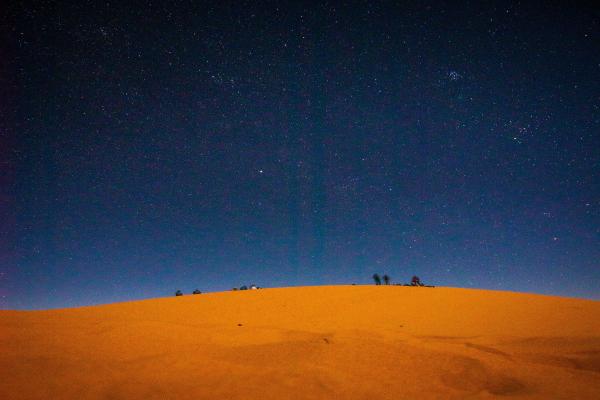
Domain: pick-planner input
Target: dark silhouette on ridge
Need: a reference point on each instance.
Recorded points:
(196, 292)
(179, 293)
(377, 279)
(386, 279)
(416, 281)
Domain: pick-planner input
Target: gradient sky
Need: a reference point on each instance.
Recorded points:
(150, 148)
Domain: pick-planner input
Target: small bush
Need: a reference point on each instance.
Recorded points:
(377, 279)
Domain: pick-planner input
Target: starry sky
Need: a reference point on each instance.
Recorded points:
(179, 145)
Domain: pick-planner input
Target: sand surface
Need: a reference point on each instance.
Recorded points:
(332, 342)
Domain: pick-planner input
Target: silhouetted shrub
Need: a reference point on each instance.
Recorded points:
(386, 279)
(196, 292)
(377, 279)
(179, 293)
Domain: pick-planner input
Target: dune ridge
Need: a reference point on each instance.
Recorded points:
(347, 342)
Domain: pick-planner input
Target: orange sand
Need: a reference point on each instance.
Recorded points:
(335, 342)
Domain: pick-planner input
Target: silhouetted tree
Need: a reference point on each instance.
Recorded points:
(244, 287)
(386, 279)
(377, 279)
(196, 292)
(179, 293)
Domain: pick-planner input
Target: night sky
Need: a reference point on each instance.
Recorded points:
(150, 148)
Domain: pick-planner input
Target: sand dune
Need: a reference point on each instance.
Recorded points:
(343, 342)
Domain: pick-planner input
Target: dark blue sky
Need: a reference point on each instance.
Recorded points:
(180, 145)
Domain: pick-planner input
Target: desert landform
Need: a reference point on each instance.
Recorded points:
(342, 342)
